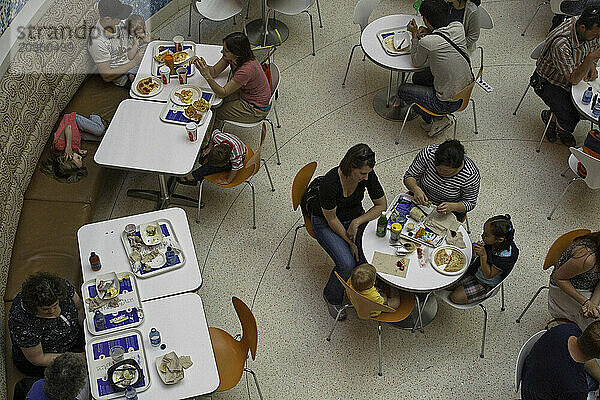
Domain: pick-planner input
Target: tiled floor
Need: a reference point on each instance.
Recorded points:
(320, 121)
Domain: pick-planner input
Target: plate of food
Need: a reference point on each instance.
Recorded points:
(181, 57)
(396, 41)
(160, 57)
(107, 286)
(151, 234)
(448, 260)
(124, 373)
(148, 87)
(201, 105)
(193, 114)
(185, 95)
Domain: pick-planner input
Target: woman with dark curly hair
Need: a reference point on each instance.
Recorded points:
(45, 320)
(64, 379)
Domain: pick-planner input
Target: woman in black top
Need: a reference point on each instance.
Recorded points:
(334, 203)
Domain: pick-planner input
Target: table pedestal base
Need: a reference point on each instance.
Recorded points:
(163, 197)
(427, 314)
(384, 107)
(256, 32)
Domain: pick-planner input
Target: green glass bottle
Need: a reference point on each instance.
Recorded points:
(417, 5)
(381, 225)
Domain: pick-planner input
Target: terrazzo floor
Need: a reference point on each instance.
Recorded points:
(320, 120)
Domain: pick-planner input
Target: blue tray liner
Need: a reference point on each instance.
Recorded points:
(179, 116)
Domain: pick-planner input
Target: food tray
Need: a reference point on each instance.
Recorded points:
(429, 237)
(440, 268)
(399, 209)
(165, 44)
(388, 34)
(99, 361)
(169, 239)
(129, 305)
(174, 114)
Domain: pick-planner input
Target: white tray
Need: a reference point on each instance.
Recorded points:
(99, 361)
(129, 304)
(174, 119)
(382, 35)
(171, 45)
(168, 239)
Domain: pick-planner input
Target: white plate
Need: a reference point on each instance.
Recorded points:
(151, 240)
(190, 54)
(152, 93)
(163, 375)
(110, 277)
(157, 261)
(197, 94)
(440, 268)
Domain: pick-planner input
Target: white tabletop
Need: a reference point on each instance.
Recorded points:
(373, 48)
(210, 53)
(183, 328)
(417, 279)
(137, 139)
(577, 96)
(104, 238)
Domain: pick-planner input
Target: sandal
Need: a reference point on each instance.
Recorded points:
(551, 131)
(567, 138)
(184, 180)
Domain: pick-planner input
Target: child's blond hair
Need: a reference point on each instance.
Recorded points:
(134, 21)
(363, 277)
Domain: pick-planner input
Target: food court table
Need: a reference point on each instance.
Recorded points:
(210, 53)
(138, 140)
(104, 238)
(183, 328)
(577, 95)
(418, 280)
(401, 63)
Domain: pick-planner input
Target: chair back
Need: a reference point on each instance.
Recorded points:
(362, 12)
(525, 349)
(560, 245)
(555, 6)
(592, 166)
(275, 77)
(537, 52)
(254, 163)
(301, 181)
(249, 329)
(362, 305)
(465, 93)
(485, 19)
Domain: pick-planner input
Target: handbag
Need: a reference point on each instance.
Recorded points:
(591, 147)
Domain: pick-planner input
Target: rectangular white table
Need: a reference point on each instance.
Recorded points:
(104, 238)
(183, 328)
(137, 139)
(210, 53)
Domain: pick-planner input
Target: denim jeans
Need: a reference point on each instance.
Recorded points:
(91, 128)
(560, 103)
(422, 92)
(340, 253)
(206, 169)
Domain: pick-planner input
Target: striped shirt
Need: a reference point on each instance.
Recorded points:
(563, 53)
(238, 148)
(462, 187)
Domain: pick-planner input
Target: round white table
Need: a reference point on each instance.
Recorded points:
(577, 94)
(402, 63)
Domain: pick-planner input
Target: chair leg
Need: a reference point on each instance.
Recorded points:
(349, 61)
(200, 30)
(502, 308)
(379, 342)
(190, 19)
(520, 101)
(199, 201)
(455, 124)
(531, 302)
(253, 205)
(255, 382)
(533, 16)
(319, 12)
(484, 328)
(467, 223)
(404, 122)
(565, 171)
(268, 173)
(233, 19)
(474, 116)
(336, 320)
(293, 243)
(312, 33)
(274, 142)
(561, 196)
(544, 133)
(276, 114)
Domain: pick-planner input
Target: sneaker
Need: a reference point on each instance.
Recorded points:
(426, 126)
(551, 132)
(439, 125)
(334, 309)
(566, 138)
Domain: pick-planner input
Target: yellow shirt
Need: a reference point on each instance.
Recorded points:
(373, 294)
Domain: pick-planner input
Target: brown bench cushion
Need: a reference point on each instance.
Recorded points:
(13, 375)
(95, 96)
(46, 241)
(87, 190)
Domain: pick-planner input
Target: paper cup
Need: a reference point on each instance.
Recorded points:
(182, 75)
(178, 41)
(192, 131)
(165, 74)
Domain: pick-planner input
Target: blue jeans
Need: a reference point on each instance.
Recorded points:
(560, 103)
(206, 169)
(340, 253)
(91, 128)
(422, 92)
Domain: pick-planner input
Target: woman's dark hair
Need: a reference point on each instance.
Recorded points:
(451, 154)
(357, 157)
(42, 290)
(63, 168)
(502, 227)
(435, 12)
(476, 2)
(589, 17)
(593, 237)
(239, 45)
(65, 377)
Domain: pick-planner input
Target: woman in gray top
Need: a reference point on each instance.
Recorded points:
(466, 12)
(575, 282)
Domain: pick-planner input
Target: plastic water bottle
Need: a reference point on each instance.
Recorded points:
(130, 393)
(596, 110)
(154, 337)
(99, 321)
(170, 255)
(587, 96)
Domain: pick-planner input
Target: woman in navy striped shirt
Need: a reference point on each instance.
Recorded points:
(441, 174)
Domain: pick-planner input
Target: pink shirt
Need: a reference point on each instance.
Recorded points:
(255, 86)
(61, 143)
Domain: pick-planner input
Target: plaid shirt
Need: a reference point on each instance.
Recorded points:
(562, 54)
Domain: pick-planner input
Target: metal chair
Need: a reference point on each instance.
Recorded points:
(592, 178)
(485, 19)
(535, 54)
(543, 3)
(213, 10)
(251, 167)
(556, 249)
(362, 12)
(231, 354)
(364, 306)
(275, 79)
(295, 7)
(523, 353)
(299, 186)
(444, 295)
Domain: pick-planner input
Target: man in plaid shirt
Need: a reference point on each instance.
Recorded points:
(569, 55)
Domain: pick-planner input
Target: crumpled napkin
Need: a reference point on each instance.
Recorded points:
(175, 366)
(445, 224)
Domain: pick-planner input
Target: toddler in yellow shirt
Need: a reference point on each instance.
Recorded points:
(362, 279)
